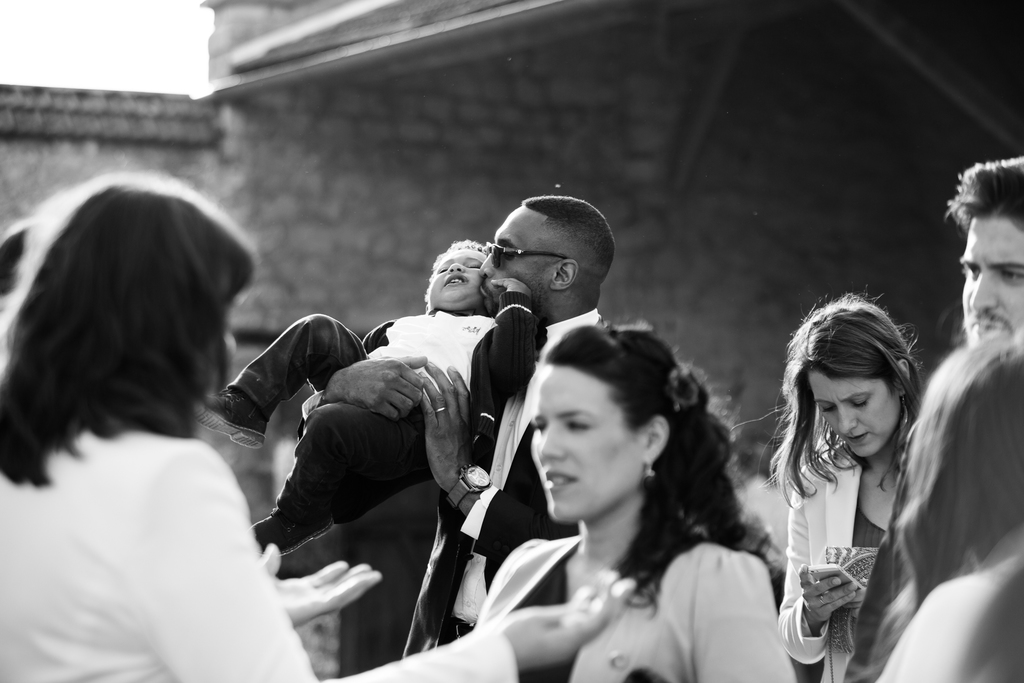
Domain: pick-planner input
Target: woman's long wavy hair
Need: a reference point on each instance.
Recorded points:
(692, 498)
(849, 338)
(118, 318)
(964, 476)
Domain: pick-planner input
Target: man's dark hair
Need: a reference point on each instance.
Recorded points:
(579, 223)
(994, 188)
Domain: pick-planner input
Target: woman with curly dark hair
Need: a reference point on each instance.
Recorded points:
(630, 450)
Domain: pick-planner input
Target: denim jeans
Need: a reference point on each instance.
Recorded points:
(337, 438)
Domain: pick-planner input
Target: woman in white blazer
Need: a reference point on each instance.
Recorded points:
(628, 448)
(852, 389)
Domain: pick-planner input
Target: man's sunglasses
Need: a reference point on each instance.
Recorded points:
(498, 252)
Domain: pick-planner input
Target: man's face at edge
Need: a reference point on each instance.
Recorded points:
(993, 267)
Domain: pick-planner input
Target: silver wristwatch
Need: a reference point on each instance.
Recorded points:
(472, 479)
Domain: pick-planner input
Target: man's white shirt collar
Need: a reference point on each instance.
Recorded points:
(558, 330)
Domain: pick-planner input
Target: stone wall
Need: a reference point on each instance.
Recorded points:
(33, 169)
(825, 169)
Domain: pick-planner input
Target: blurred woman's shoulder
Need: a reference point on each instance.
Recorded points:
(146, 449)
(714, 557)
(147, 461)
(710, 567)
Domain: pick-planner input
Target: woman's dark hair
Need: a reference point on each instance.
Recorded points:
(12, 246)
(691, 499)
(850, 337)
(964, 477)
(118, 318)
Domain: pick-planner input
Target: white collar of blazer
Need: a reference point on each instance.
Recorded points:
(840, 501)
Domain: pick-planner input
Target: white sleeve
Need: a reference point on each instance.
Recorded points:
(800, 644)
(482, 657)
(475, 519)
(207, 609)
(735, 637)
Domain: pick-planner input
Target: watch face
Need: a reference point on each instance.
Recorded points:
(477, 477)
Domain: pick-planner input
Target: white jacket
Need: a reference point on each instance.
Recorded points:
(823, 519)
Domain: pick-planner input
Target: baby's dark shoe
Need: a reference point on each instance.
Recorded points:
(233, 413)
(288, 535)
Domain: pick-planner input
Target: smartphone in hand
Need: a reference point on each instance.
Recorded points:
(820, 572)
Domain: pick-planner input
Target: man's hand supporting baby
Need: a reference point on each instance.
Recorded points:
(388, 386)
(446, 425)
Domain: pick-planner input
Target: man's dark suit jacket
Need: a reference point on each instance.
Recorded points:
(517, 513)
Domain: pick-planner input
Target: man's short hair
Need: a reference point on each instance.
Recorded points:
(579, 223)
(471, 245)
(994, 188)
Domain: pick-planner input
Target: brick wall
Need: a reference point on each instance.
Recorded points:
(825, 169)
(33, 169)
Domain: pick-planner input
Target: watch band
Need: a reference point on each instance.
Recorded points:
(458, 492)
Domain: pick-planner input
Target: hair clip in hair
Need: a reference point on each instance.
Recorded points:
(682, 389)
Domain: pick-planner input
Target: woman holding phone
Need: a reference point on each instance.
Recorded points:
(852, 390)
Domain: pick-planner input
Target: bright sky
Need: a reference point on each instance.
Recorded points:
(141, 45)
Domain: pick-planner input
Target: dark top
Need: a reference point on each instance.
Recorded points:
(551, 590)
(866, 534)
(887, 580)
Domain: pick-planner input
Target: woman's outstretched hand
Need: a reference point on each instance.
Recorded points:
(335, 586)
(543, 636)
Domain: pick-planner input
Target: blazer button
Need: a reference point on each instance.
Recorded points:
(505, 549)
(617, 659)
(496, 545)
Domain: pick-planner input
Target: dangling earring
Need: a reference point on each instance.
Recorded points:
(903, 409)
(649, 475)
